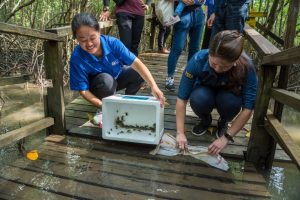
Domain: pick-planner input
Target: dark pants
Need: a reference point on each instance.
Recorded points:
(130, 30)
(163, 34)
(204, 99)
(104, 85)
(230, 15)
(206, 37)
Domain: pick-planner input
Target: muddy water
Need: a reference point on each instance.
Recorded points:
(291, 122)
(24, 105)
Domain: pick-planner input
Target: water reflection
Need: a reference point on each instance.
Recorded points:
(284, 182)
(291, 122)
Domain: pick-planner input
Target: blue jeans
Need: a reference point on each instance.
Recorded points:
(192, 23)
(204, 99)
(230, 15)
(179, 8)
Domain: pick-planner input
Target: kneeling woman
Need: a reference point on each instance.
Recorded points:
(101, 65)
(224, 78)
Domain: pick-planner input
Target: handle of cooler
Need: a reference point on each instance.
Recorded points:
(135, 97)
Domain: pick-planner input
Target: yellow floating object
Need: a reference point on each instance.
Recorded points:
(32, 155)
(90, 116)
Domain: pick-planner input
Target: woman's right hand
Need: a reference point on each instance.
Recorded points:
(181, 141)
(188, 2)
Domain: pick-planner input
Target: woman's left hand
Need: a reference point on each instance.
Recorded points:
(159, 95)
(218, 145)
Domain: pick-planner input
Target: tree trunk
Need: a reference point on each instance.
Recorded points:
(290, 35)
(272, 15)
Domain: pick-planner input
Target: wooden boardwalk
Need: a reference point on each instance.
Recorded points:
(77, 168)
(77, 112)
(81, 165)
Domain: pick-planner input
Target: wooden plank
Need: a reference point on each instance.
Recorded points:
(259, 42)
(19, 30)
(140, 152)
(62, 184)
(66, 30)
(287, 57)
(143, 169)
(257, 14)
(55, 96)
(284, 139)
(285, 97)
(14, 80)
(14, 189)
(25, 131)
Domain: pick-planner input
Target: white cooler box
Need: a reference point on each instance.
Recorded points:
(130, 118)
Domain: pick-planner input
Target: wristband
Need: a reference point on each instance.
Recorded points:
(229, 137)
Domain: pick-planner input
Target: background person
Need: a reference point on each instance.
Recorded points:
(130, 16)
(163, 34)
(192, 23)
(228, 15)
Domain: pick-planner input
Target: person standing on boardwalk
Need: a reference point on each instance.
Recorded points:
(206, 38)
(228, 15)
(224, 78)
(191, 23)
(130, 20)
(162, 37)
(101, 65)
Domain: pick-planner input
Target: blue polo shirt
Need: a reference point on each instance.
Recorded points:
(84, 65)
(199, 72)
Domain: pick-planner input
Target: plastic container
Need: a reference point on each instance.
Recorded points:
(131, 118)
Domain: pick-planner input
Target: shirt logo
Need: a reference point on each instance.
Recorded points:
(115, 62)
(188, 75)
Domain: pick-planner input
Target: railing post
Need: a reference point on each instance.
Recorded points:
(55, 96)
(261, 146)
(153, 26)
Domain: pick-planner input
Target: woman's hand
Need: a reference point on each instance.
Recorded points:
(144, 6)
(104, 16)
(211, 20)
(181, 141)
(188, 2)
(159, 95)
(218, 145)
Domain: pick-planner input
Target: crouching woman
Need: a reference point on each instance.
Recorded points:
(224, 78)
(101, 65)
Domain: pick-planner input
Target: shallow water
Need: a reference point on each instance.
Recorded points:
(24, 105)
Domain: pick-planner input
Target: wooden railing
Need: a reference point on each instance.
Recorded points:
(54, 120)
(266, 129)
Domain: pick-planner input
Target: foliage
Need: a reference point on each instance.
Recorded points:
(21, 54)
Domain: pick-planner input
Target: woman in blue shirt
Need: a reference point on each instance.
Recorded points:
(224, 78)
(101, 65)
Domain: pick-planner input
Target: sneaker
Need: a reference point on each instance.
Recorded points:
(172, 20)
(199, 129)
(222, 128)
(170, 83)
(97, 119)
